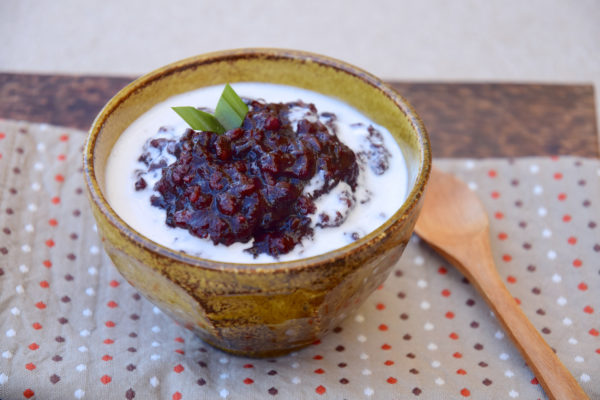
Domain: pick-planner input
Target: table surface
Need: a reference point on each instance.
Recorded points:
(463, 119)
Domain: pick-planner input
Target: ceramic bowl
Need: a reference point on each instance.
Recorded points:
(258, 310)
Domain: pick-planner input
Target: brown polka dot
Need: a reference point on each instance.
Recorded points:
(416, 391)
(57, 358)
(404, 316)
(201, 382)
(591, 224)
(23, 131)
(514, 182)
(527, 246)
(531, 268)
(344, 381)
(342, 365)
(202, 364)
(76, 213)
(597, 247)
(73, 236)
(54, 379)
(134, 317)
(546, 330)
(337, 329)
(487, 382)
(130, 394)
(340, 348)
(414, 371)
(136, 296)
(536, 290)
(398, 273)
(470, 302)
(59, 339)
(17, 170)
(133, 334)
(586, 203)
(407, 337)
(410, 355)
(483, 364)
(71, 256)
(202, 350)
(132, 349)
(272, 372)
(273, 391)
(69, 277)
(62, 320)
(518, 203)
(540, 311)
(478, 346)
(581, 182)
(131, 367)
(4, 250)
(10, 211)
(522, 224)
(401, 295)
(65, 299)
(78, 191)
(12, 191)
(465, 281)
(474, 324)
(1, 272)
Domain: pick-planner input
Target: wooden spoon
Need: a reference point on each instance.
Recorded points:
(454, 222)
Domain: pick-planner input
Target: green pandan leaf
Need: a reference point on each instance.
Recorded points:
(199, 120)
(231, 109)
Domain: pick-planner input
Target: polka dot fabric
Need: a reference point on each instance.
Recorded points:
(72, 328)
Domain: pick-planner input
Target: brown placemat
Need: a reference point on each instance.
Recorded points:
(71, 327)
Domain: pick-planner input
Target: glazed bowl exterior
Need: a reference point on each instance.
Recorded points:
(258, 310)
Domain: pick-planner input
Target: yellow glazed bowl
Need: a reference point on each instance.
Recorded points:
(258, 310)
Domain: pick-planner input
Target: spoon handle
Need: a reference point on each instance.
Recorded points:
(554, 377)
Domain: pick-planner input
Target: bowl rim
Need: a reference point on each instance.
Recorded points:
(412, 199)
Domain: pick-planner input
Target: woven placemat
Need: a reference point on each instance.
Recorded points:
(72, 327)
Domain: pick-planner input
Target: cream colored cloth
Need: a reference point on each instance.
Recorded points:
(72, 328)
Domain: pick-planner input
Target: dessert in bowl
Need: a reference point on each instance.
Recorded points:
(269, 251)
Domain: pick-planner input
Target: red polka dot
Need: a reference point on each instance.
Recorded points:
(319, 371)
(28, 393)
(582, 286)
(106, 357)
(446, 293)
(388, 363)
(61, 157)
(178, 368)
(179, 339)
(598, 351)
(59, 178)
(108, 341)
(511, 279)
(577, 263)
(566, 218)
(391, 380)
(47, 263)
(562, 196)
(517, 300)
(248, 366)
(594, 332)
(112, 304)
(320, 389)
(248, 381)
(461, 371)
(449, 315)
(177, 396)
(385, 346)
(105, 379)
(453, 336)
(457, 355)
(33, 346)
(110, 324)
(492, 173)
(52, 222)
(498, 215)
(44, 284)
(114, 283)
(37, 326)
(588, 309)
(380, 306)
(40, 305)
(180, 351)
(502, 236)
(558, 176)
(30, 366)
(318, 357)
(316, 342)
(2, 135)
(442, 271)
(50, 243)
(64, 138)
(55, 200)
(572, 240)
(506, 258)
(465, 392)
(380, 287)
(383, 327)
(534, 381)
